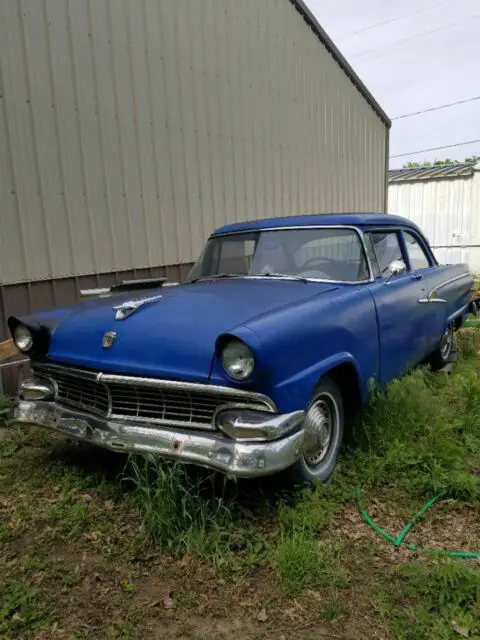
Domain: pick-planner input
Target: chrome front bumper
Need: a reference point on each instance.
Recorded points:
(212, 449)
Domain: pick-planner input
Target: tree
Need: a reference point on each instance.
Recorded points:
(439, 163)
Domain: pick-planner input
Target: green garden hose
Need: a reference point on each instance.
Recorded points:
(400, 539)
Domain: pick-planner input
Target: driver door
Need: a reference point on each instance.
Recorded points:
(402, 322)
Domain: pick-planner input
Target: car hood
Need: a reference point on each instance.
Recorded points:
(173, 336)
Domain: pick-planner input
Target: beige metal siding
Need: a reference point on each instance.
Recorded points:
(447, 211)
(130, 130)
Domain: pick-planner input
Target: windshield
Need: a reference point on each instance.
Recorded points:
(318, 253)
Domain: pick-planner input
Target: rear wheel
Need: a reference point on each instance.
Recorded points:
(441, 356)
(324, 426)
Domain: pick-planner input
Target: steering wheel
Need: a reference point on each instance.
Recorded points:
(311, 261)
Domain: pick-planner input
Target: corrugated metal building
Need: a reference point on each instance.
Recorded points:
(129, 130)
(444, 202)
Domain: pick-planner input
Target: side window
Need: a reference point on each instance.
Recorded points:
(387, 249)
(416, 254)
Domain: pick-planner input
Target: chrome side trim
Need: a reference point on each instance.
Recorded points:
(454, 279)
(102, 291)
(311, 226)
(432, 296)
(293, 278)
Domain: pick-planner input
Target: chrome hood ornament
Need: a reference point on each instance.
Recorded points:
(126, 309)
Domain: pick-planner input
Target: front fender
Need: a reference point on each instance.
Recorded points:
(299, 388)
(294, 348)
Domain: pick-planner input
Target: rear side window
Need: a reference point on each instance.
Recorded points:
(416, 253)
(387, 249)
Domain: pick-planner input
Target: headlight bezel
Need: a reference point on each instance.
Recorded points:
(40, 335)
(237, 350)
(28, 336)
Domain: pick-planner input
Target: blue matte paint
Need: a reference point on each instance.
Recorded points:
(350, 219)
(174, 337)
(297, 331)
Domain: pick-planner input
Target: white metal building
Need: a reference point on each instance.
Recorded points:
(129, 130)
(445, 203)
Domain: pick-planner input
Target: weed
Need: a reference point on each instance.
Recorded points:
(415, 436)
(467, 339)
(71, 515)
(180, 514)
(303, 562)
(19, 609)
(440, 595)
(127, 586)
(6, 532)
(314, 507)
(5, 403)
(418, 436)
(185, 630)
(32, 562)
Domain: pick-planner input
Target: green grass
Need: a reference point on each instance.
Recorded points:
(5, 402)
(20, 609)
(306, 563)
(304, 556)
(178, 517)
(420, 435)
(434, 599)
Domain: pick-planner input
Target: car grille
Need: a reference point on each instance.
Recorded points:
(145, 400)
(80, 391)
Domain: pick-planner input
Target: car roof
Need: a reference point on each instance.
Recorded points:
(351, 219)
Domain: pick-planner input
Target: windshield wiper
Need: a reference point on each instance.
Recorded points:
(283, 276)
(214, 276)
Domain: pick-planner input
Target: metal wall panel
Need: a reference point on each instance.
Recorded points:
(26, 297)
(447, 211)
(129, 130)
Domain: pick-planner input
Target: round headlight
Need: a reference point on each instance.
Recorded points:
(23, 338)
(237, 360)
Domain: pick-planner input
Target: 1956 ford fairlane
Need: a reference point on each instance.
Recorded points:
(254, 365)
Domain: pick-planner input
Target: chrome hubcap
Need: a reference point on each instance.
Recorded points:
(319, 423)
(446, 343)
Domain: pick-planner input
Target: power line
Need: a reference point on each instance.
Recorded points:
(447, 146)
(442, 106)
(418, 35)
(390, 20)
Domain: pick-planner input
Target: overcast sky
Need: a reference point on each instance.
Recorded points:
(408, 72)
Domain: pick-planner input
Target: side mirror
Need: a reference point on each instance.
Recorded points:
(396, 268)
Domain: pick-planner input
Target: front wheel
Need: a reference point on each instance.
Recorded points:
(441, 356)
(324, 426)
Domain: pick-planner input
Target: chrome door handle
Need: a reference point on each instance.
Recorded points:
(430, 299)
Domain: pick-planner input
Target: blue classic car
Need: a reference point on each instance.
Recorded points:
(256, 363)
